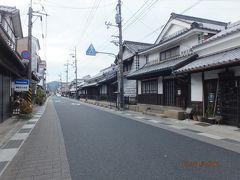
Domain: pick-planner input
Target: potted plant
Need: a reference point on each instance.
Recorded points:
(40, 97)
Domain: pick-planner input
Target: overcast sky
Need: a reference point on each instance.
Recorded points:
(81, 22)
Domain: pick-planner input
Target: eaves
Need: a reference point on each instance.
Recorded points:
(179, 37)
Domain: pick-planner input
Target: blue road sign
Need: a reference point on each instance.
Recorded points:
(25, 54)
(91, 51)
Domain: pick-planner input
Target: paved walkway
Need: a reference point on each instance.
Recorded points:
(43, 155)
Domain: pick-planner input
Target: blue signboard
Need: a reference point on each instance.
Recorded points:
(22, 81)
(21, 85)
(91, 51)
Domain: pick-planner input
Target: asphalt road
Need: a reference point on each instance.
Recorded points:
(103, 145)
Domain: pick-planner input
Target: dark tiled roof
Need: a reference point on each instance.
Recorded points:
(161, 67)
(228, 31)
(197, 19)
(208, 62)
(136, 46)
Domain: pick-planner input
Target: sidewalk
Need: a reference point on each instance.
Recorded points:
(227, 133)
(42, 155)
(9, 127)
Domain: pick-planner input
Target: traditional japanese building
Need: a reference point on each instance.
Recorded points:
(132, 61)
(11, 67)
(156, 82)
(102, 86)
(215, 76)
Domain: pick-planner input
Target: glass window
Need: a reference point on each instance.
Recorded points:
(149, 87)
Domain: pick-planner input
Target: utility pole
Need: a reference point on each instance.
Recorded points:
(30, 11)
(67, 64)
(118, 19)
(60, 78)
(75, 52)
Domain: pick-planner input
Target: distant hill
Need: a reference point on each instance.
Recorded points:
(53, 86)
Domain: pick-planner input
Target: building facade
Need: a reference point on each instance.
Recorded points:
(11, 67)
(132, 61)
(215, 76)
(156, 82)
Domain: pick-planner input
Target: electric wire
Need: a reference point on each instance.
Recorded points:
(160, 27)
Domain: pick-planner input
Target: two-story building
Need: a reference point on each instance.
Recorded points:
(132, 61)
(156, 82)
(11, 67)
(215, 76)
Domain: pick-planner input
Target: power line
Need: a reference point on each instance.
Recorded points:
(184, 11)
(144, 7)
(145, 11)
(90, 17)
(192, 6)
(55, 5)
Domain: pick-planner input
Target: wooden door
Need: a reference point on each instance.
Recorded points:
(229, 101)
(169, 92)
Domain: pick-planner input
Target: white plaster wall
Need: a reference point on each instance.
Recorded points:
(228, 42)
(160, 85)
(188, 43)
(129, 88)
(173, 29)
(126, 53)
(139, 87)
(154, 57)
(196, 87)
(142, 61)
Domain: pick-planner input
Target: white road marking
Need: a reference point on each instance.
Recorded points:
(19, 136)
(7, 154)
(210, 136)
(28, 126)
(33, 120)
(37, 116)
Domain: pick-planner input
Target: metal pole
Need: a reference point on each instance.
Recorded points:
(120, 56)
(76, 71)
